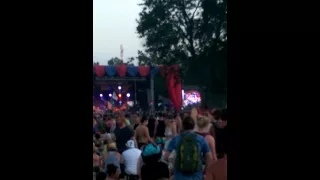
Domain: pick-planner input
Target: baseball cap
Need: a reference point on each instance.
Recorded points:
(130, 144)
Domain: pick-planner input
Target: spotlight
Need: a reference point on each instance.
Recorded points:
(119, 87)
(101, 95)
(128, 94)
(119, 95)
(110, 94)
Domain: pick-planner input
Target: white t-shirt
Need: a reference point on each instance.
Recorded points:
(130, 160)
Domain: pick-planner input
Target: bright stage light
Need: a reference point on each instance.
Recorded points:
(110, 94)
(101, 95)
(119, 95)
(119, 87)
(128, 94)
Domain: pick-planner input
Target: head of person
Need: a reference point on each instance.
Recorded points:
(144, 121)
(113, 171)
(151, 154)
(222, 121)
(121, 119)
(109, 122)
(136, 118)
(216, 114)
(130, 144)
(97, 136)
(188, 123)
(112, 146)
(202, 122)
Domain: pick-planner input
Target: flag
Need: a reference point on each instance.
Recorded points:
(114, 96)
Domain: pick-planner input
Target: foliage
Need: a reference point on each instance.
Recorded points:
(116, 61)
(191, 33)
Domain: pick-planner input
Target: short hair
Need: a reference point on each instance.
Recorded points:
(202, 122)
(224, 115)
(127, 115)
(188, 123)
(143, 119)
(217, 114)
(97, 136)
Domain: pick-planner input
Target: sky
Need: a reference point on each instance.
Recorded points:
(114, 23)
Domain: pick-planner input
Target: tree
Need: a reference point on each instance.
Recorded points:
(143, 59)
(130, 61)
(191, 33)
(114, 61)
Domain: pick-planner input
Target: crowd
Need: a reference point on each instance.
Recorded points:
(164, 145)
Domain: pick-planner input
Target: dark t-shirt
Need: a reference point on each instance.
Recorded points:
(122, 137)
(151, 124)
(220, 140)
(148, 171)
(160, 128)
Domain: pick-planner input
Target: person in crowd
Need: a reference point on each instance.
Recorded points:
(149, 165)
(101, 176)
(122, 134)
(142, 133)
(178, 122)
(95, 125)
(202, 123)
(136, 120)
(218, 170)
(113, 172)
(96, 157)
(111, 157)
(160, 130)
(130, 159)
(152, 127)
(190, 149)
(127, 117)
(170, 129)
(221, 133)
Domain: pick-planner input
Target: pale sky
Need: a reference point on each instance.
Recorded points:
(114, 23)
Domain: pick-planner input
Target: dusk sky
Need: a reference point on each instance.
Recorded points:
(114, 23)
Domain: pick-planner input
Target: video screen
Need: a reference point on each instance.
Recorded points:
(190, 98)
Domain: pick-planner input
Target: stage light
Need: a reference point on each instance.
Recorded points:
(110, 95)
(120, 102)
(101, 95)
(128, 94)
(119, 87)
(119, 95)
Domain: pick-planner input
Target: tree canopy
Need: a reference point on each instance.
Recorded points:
(116, 61)
(191, 33)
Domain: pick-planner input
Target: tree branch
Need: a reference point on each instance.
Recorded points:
(196, 9)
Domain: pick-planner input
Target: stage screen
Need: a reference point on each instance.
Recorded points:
(191, 97)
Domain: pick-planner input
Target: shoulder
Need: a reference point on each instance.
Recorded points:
(209, 137)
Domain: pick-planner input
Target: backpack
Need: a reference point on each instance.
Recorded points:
(188, 159)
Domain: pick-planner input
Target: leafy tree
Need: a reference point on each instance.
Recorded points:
(114, 61)
(192, 33)
(130, 61)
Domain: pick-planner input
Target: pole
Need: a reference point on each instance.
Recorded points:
(135, 92)
(152, 92)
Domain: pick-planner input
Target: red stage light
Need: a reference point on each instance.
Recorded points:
(119, 95)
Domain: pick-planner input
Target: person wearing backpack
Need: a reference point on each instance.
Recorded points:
(190, 150)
